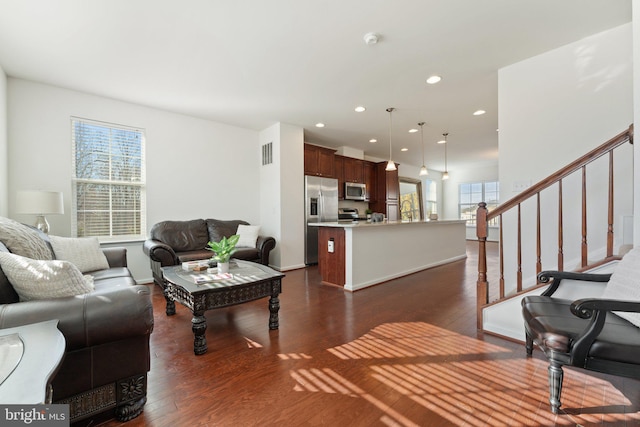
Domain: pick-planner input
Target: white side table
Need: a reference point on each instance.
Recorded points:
(43, 350)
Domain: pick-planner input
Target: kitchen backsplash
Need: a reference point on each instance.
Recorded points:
(361, 206)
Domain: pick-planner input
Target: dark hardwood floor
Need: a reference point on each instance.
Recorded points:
(403, 353)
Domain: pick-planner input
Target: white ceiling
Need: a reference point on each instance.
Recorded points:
(253, 63)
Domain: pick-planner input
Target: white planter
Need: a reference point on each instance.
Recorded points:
(223, 267)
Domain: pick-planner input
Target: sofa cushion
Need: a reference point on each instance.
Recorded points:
(182, 236)
(219, 228)
(106, 283)
(84, 252)
(37, 279)
(194, 255)
(8, 295)
(623, 284)
(110, 273)
(248, 235)
(23, 240)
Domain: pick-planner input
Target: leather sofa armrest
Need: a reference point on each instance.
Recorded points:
(91, 319)
(160, 252)
(265, 244)
(116, 256)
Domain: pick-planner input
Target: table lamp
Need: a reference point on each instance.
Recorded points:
(40, 203)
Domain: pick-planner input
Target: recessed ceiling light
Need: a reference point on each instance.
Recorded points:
(360, 109)
(372, 140)
(319, 125)
(442, 141)
(479, 112)
(433, 80)
(404, 149)
(413, 130)
(371, 38)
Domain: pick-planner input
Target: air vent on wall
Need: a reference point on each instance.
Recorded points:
(267, 154)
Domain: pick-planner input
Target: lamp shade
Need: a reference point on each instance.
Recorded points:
(39, 202)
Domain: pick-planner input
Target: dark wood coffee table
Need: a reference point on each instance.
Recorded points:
(250, 281)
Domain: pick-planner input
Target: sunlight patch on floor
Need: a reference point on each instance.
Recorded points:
(465, 381)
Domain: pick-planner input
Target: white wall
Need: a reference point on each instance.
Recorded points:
(270, 194)
(636, 101)
(450, 193)
(195, 168)
(292, 197)
(4, 174)
(553, 108)
(282, 194)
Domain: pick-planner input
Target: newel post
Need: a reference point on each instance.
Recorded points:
(482, 284)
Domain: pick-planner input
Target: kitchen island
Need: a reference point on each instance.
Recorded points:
(360, 254)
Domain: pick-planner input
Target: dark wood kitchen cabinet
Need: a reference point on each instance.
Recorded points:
(369, 171)
(339, 173)
(353, 170)
(319, 161)
(387, 192)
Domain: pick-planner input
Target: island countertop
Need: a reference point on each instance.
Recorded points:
(354, 224)
(350, 254)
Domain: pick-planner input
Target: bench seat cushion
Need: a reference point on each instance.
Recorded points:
(247, 254)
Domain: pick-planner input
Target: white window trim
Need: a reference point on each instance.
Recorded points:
(141, 184)
(495, 225)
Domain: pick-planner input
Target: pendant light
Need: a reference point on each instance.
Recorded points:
(445, 175)
(391, 166)
(423, 169)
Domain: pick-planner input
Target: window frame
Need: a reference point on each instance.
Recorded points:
(429, 202)
(139, 184)
(471, 221)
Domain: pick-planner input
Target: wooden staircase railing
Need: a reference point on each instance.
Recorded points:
(483, 216)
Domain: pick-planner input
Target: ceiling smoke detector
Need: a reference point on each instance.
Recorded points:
(371, 38)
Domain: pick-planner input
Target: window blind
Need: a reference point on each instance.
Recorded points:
(108, 181)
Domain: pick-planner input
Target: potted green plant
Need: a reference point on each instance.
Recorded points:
(368, 212)
(223, 250)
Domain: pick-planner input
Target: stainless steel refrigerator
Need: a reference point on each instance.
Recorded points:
(321, 205)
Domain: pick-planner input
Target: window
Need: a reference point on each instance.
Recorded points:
(108, 180)
(470, 194)
(410, 199)
(432, 197)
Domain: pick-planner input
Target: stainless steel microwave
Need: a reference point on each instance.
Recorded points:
(354, 191)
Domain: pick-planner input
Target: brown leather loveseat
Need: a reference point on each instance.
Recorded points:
(175, 242)
(104, 370)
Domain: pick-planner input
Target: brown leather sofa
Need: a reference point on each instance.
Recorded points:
(175, 242)
(104, 370)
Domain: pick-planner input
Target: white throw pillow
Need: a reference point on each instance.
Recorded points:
(23, 240)
(624, 284)
(36, 279)
(248, 235)
(83, 252)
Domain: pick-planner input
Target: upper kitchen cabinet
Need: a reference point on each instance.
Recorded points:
(339, 171)
(319, 161)
(353, 170)
(369, 170)
(387, 192)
